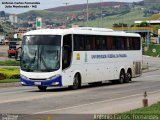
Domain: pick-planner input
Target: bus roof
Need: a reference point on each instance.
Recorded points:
(81, 30)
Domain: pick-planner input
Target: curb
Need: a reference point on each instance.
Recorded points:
(13, 84)
(149, 70)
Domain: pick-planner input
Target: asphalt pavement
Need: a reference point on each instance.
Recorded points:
(107, 98)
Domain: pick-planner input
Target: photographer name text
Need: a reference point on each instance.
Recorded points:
(21, 4)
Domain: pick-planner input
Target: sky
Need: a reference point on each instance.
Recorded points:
(44, 4)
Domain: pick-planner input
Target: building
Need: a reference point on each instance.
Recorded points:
(13, 18)
(3, 16)
(19, 32)
(152, 22)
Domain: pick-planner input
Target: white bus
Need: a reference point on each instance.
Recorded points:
(76, 56)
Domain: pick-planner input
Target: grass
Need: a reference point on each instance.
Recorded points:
(147, 113)
(150, 52)
(10, 63)
(9, 80)
(108, 21)
(153, 109)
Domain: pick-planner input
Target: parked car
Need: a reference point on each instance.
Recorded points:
(12, 51)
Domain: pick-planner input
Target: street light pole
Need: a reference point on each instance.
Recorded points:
(87, 12)
(101, 13)
(66, 14)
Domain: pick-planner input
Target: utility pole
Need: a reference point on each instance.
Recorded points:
(66, 3)
(87, 12)
(101, 13)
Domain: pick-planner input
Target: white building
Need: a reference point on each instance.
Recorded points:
(13, 18)
(148, 21)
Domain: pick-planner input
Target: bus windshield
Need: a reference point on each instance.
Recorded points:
(40, 53)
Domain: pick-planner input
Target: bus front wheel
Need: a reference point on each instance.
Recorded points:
(42, 88)
(76, 82)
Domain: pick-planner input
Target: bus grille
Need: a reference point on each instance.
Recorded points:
(37, 79)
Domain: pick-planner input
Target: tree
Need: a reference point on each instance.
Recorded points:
(1, 28)
(115, 25)
(144, 24)
(120, 25)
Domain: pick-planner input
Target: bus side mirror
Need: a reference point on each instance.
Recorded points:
(17, 56)
(18, 59)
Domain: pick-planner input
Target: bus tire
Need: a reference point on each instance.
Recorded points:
(42, 88)
(121, 77)
(128, 77)
(76, 82)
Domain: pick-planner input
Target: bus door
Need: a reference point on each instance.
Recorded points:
(67, 51)
(66, 60)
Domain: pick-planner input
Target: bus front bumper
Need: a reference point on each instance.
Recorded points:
(55, 81)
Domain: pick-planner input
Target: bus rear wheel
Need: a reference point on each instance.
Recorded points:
(76, 82)
(42, 88)
(121, 77)
(128, 77)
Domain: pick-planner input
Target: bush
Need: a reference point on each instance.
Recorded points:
(9, 73)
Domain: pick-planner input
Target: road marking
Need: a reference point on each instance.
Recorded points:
(98, 102)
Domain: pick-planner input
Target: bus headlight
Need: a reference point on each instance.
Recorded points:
(24, 77)
(55, 83)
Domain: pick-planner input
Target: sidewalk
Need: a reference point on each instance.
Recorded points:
(150, 69)
(13, 84)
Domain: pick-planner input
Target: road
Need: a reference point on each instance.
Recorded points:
(4, 52)
(103, 99)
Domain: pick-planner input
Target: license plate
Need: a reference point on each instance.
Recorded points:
(37, 83)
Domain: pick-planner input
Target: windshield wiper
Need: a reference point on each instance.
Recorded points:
(32, 61)
(44, 63)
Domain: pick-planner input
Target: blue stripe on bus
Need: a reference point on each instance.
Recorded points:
(27, 82)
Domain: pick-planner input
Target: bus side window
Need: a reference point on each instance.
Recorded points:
(67, 51)
(136, 42)
(87, 42)
(78, 42)
(128, 43)
(98, 47)
(124, 43)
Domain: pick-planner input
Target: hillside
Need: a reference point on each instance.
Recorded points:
(151, 2)
(108, 21)
(103, 14)
(155, 17)
(75, 13)
(83, 6)
(41, 13)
